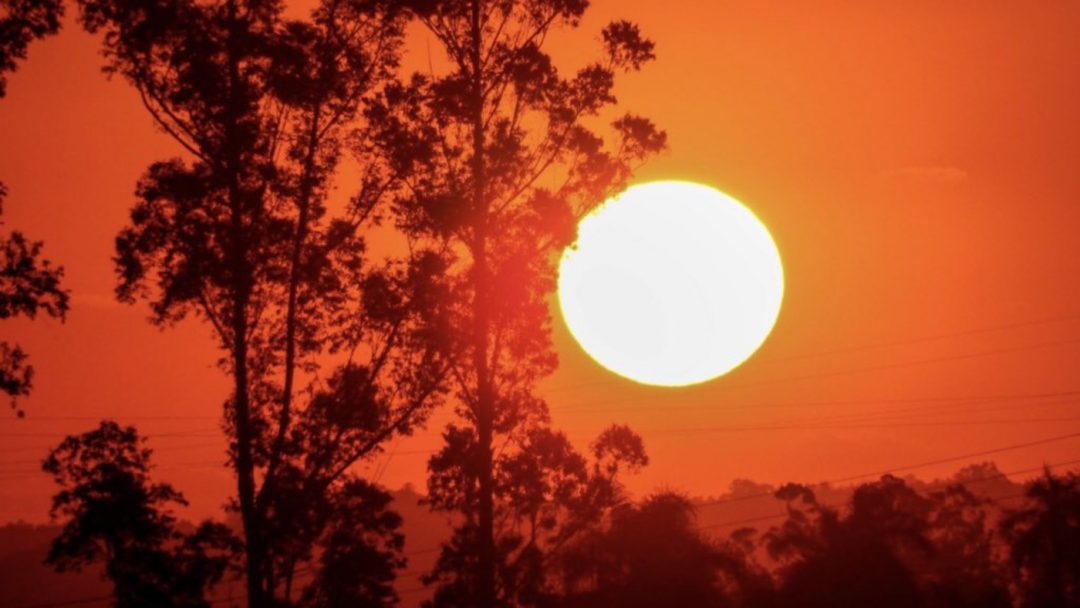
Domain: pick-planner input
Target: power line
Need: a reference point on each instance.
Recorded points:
(981, 406)
(922, 414)
(892, 418)
(897, 365)
(33, 418)
(932, 337)
(18, 475)
(728, 524)
(917, 362)
(854, 348)
(216, 432)
(911, 467)
(187, 433)
(738, 429)
(938, 403)
(166, 448)
(812, 424)
(802, 425)
(879, 473)
(648, 401)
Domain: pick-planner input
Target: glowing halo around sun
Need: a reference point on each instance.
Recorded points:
(671, 283)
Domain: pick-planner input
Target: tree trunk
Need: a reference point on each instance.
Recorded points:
(244, 462)
(241, 285)
(485, 406)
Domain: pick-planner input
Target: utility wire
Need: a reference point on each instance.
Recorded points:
(910, 467)
(894, 418)
(892, 366)
(728, 524)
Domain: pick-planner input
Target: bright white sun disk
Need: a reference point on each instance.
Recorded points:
(671, 283)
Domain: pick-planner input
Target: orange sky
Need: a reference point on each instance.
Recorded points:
(916, 165)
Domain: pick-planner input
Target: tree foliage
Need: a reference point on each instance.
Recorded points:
(115, 515)
(22, 22)
(28, 282)
(1044, 539)
(893, 547)
(653, 554)
(361, 549)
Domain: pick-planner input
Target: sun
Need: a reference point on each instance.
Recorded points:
(671, 283)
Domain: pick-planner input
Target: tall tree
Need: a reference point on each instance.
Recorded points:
(1044, 539)
(116, 515)
(240, 234)
(28, 282)
(499, 162)
(546, 495)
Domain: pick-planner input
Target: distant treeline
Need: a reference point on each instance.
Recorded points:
(976, 539)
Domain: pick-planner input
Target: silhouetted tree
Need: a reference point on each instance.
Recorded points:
(1044, 538)
(828, 560)
(28, 282)
(499, 164)
(546, 495)
(116, 515)
(361, 548)
(653, 554)
(893, 547)
(963, 569)
(239, 233)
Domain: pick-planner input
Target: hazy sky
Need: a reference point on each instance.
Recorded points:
(916, 163)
